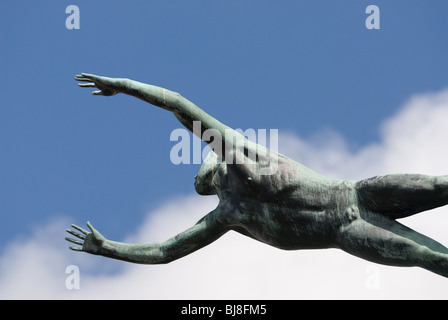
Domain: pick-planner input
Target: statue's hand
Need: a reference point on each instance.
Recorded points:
(91, 242)
(107, 86)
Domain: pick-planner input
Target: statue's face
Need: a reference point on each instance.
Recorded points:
(203, 180)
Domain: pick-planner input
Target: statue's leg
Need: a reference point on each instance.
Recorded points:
(383, 240)
(402, 195)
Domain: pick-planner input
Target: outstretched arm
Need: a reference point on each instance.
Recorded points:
(203, 233)
(184, 110)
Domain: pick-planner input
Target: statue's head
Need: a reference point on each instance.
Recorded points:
(204, 179)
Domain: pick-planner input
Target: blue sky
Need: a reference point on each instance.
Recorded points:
(296, 66)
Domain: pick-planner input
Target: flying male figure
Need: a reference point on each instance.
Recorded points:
(291, 207)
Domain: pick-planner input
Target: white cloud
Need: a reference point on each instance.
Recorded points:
(236, 267)
(414, 140)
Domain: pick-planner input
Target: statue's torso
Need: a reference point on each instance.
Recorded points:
(293, 208)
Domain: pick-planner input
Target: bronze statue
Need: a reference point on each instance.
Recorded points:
(290, 208)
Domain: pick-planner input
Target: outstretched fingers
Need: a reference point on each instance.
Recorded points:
(86, 77)
(74, 241)
(89, 225)
(92, 81)
(80, 243)
(81, 236)
(87, 85)
(80, 229)
(93, 231)
(76, 234)
(76, 249)
(82, 78)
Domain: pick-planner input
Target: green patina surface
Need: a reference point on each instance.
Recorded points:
(290, 206)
